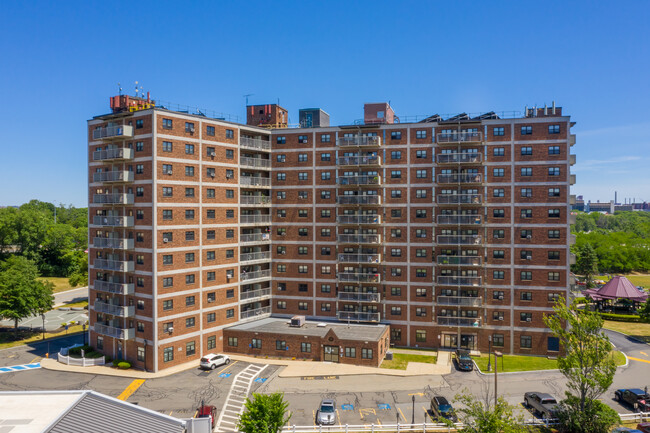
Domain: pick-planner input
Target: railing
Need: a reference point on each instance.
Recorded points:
(254, 313)
(460, 137)
(114, 176)
(254, 237)
(572, 159)
(115, 310)
(254, 143)
(359, 277)
(256, 200)
(255, 294)
(459, 260)
(113, 221)
(79, 362)
(109, 154)
(360, 258)
(255, 219)
(110, 331)
(459, 321)
(254, 181)
(359, 140)
(358, 180)
(114, 265)
(448, 158)
(358, 316)
(455, 280)
(111, 132)
(115, 198)
(459, 178)
(459, 240)
(358, 219)
(463, 301)
(459, 219)
(115, 288)
(115, 243)
(249, 257)
(359, 297)
(255, 162)
(358, 160)
(246, 276)
(460, 198)
(359, 239)
(359, 199)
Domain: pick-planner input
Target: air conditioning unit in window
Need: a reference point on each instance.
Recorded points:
(529, 257)
(210, 300)
(501, 318)
(528, 319)
(170, 329)
(169, 172)
(529, 237)
(500, 298)
(228, 176)
(212, 153)
(283, 252)
(165, 240)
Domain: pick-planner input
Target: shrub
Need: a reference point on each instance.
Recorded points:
(581, 300)
(116, 362)
(124, 365)
(622, 317)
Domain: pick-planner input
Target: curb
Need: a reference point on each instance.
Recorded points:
(628, 336)
(54, 365)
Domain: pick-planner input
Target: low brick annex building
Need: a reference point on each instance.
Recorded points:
(318, 341)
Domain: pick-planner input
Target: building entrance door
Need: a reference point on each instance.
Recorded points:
(119, 350)
(449, 341)
(468, 342)
(331, 353)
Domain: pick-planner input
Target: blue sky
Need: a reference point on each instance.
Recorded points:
(62, 60)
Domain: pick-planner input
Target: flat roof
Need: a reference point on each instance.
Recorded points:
(277, 325)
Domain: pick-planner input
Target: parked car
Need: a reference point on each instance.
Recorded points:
(326, 414)
(643, 427)
(212, 361)
(441, 408)
(541, 404)
(463, 360)
(206, 411)
(635, 397)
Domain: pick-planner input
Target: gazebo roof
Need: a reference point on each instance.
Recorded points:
(618, 288)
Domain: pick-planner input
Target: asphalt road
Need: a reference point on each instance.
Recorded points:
(74, 295)
(34, 351)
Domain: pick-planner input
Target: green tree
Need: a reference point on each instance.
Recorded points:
(596, 418)
(587, 263)
(484, 417)
(264, 414)
(644, 311)
(78, 268)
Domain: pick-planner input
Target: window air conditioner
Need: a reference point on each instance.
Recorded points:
(210, 300)
(500, 318)
(165, 240)
(228, 176)
(500, 298)
(529, 237)
(169, 172)
(170, 329)
(211, 153)
(529, 257)
(528, 319)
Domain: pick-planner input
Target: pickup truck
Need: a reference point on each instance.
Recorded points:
(541, 404)
(635, 397)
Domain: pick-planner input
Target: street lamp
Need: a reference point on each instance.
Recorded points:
(84, 332)
(413, 413)
(489, 366)
(496, 354)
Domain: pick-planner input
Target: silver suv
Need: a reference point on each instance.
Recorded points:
(326, 414)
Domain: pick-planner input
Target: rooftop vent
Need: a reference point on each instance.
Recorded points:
(297, 321)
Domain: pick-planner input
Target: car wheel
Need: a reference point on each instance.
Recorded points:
(616, 397)
(213, 366)
(227, 361)
(526, 403)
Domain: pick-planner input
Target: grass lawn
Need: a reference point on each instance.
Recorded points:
(642, 280)
(513, 363)
(25, 337)
(61, 284)
(640, 331)
(400, 360)
(80, 304)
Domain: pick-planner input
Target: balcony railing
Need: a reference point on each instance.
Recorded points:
(114, 176)
(358, 316)
(115, 243)
(116, 198)
(359, 277)
(358, 219)
(460, 198)
(359, 141)
(254, 181)
(460, 137)
(251, 257)
(114, 310)
(256, 200)
(359, 199)
(255, 313)
(462, 301)
(114, 265)
(115, 288)
(113, 221)
(453, 280)
(112, 154)
(255, 219)
(251, 294)
(459, 178)
(117, 132)
(459, 158)
(359, 239)
(474, 322)
(110, 331)
(359, 297)
(358, 160)
(459, 260)
(247, 276)
(459, 240)
(254, 237)
(255, 163)
(358, 180)
(459, 219)
(254, 143)
(359, 258)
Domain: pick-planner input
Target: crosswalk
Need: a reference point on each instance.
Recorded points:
(234, 405)
(23, 367)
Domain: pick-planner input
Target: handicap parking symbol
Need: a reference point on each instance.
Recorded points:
(383, 406)
(347, 407)
(224, 375)
(260, 380)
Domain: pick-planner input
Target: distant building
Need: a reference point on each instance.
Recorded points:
(313, 118)
(607, 207)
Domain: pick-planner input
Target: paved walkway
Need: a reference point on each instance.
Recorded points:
(234, 405)
(53, 319)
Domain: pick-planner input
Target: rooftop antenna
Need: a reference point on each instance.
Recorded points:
(246, 96)
(136, 89)
(119, 86)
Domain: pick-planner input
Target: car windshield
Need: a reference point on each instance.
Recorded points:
(326, 408)
(444, 408)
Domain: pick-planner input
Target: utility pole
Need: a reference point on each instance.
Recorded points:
(489, 367)
(413, 413)
(496, 368)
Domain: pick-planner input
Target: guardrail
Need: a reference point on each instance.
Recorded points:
(80, 362)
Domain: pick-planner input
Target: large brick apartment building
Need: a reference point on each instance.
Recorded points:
(451, 231)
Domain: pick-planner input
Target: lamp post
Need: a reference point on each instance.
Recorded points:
(496, 354)
(83, 327)
(413, 413)
(489, 366)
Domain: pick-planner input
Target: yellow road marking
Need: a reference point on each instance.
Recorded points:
(196, 413)
(418, 393)
(378, 421)
(170, 412)
(133, 387)
(38, 358)
(638, 359)
(401, 413)
(313, 412)
(643, 353)
(226, 368)
(338, 418)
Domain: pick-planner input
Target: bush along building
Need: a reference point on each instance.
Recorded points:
(209, 235)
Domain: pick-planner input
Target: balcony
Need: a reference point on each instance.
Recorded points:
(117, 132)
(572, 239)
(114, 265)
(252, 257)
(114, 310)
(255, 163)
(255, 219)
(462, 301)
(112, 154)
(358, 161)
(255, 313)
(255, 294)
(459, 260)
(454, 280)
(474, 322)
(460, 198)
(572, 139)
(459, 240)
(368, 200)
(573, 218)
(114, 176)
(358, 316)
(572, 159)
(254, 200)
(358, 219)
(254, 143)
(110, 331)
(459, 178)
(460, 137)
(254, 237)
(359, 239)
(358, 180)
(115, 288)
(113, 221)
(359, 141)
(264, 182)
(359, 258)
(114, 243)
(459, 158)
(459, 219)
(572, 199)
(359, 297)
(114, 198)
(256, 275)
(359, 277)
